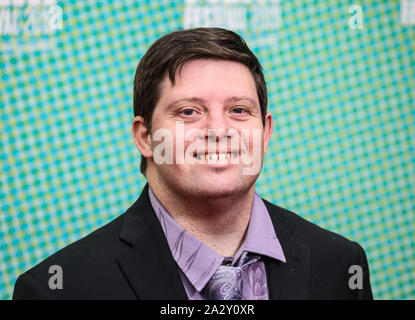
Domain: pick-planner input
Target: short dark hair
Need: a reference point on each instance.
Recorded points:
(169, 53)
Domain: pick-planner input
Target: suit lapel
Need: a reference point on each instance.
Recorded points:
(148, 264)
(289, 280)
(153, 274)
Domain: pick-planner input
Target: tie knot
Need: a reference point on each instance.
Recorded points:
(226, 282)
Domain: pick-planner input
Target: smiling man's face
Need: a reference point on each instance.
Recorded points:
(212, 102)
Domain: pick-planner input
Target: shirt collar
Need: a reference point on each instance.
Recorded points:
(198, 261)
(260, 237)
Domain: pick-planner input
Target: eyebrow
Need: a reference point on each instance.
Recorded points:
(202, 101)
(236, 99)
(190, 99)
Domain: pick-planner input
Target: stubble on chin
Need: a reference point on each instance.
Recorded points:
(213, 188)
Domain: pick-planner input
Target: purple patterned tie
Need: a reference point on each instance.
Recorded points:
(226, 282)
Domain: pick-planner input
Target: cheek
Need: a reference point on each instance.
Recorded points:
(179, 148)
(192, 139)
(162, 145)
(180, 143)
(252, 138)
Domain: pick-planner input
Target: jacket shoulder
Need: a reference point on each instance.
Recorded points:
(306, 231)
(95, 245)
(81, 264)
(331, 256)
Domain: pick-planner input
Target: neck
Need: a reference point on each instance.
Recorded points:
(220, 222)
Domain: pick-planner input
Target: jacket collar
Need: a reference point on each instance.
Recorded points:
(289, 280)
(148, 264)
(153, 273)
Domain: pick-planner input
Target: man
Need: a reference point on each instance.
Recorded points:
(199, 230)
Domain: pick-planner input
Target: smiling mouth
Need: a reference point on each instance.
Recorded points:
(216, 156)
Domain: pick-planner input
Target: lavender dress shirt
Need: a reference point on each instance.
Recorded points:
(198, 262)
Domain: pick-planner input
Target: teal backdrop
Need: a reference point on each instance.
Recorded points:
(341, 79)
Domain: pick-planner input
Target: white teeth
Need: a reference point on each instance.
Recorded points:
(215, 156)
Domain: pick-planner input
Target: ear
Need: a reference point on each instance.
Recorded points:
(269, 124)
(142, 137)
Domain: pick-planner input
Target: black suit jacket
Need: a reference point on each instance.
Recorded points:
(129, 258)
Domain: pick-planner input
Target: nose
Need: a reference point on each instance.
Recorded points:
(216, 125)
(218, 131)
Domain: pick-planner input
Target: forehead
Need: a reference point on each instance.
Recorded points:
(210, 80)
